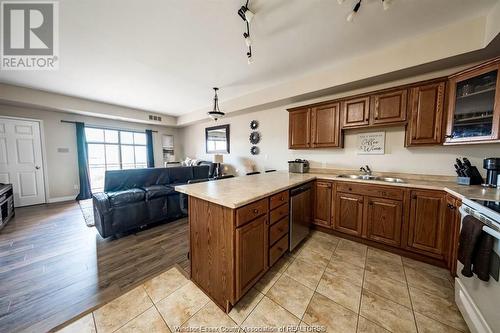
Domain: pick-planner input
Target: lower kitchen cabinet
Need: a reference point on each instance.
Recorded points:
(383, 220)
(251, 254)
(453, 221)
(348, 213)
(323, 204)
(426, 228)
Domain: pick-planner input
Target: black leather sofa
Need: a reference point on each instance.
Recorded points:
(138, 197)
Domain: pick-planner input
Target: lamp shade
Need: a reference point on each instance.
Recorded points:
(218, 158)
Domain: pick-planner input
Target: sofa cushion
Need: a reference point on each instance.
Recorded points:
(180, 175)
(157, 191)
(202, 171)
(127, 196)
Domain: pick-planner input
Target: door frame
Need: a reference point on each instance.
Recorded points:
(43, 151)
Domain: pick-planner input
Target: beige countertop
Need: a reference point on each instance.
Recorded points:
(239, 191)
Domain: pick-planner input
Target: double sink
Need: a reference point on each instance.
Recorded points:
(370, 177)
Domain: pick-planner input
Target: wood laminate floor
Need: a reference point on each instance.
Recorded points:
(53, 267)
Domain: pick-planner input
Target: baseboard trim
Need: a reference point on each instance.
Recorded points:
(62, 199)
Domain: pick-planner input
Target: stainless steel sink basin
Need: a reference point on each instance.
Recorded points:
(370, 177)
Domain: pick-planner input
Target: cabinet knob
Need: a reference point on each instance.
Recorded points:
(370, 203)
(280, 229)
(414, 197)
(350, 188)
(282, 199)
(255, 211)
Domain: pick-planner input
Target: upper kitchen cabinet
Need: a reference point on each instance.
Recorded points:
(425, 112)
(325, 126)
(356, 112)
(388, 107)
(299, 128)
(474, 108)
(317, 126)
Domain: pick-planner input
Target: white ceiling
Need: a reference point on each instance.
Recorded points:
(166, 55)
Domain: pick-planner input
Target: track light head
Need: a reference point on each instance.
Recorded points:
(355, 10)
(245, 14)
(249, 58)
(248, 40)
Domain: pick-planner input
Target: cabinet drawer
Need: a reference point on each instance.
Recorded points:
(249, 212)
(277, 250)
(278, 199)
(278, 230)
(278, 213)
(371, 190)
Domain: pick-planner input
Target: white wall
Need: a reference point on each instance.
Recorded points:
(274, 152)
(62, 168)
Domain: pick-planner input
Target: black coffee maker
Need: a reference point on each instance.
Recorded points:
(492, 166)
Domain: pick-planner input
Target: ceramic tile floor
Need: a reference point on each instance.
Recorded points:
(330, 282)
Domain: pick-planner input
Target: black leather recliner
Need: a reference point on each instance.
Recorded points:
(138, 197)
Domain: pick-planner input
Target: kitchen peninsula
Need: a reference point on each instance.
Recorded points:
(239, 226)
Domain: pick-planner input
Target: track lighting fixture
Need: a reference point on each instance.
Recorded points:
(355, 10)
(385, 4)
(247, 16)
(245, 13)
(216, 114)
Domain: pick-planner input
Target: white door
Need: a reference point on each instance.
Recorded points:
(21, 160)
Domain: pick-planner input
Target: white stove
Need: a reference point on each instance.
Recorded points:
(478, 300)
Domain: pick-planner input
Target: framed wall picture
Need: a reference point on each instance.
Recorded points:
(371, 143)
(217, 139)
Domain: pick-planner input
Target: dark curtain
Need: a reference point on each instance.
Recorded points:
(83, 165)
(149, 142)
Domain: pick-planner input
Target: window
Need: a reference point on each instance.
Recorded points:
(113, 150)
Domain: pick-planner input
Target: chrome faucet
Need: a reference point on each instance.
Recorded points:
(366, 170)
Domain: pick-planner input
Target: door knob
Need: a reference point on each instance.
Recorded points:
(37, 167)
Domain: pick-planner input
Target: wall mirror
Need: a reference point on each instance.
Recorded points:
(217, 139)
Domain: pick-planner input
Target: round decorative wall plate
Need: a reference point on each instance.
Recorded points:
(254, 150)
(254, 124)
(254, 138)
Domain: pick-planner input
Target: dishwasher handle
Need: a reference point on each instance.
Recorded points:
(300, 189)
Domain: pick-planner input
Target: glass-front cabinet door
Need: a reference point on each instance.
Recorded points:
(474, 108)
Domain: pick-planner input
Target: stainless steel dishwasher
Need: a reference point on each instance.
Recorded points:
(300, 213)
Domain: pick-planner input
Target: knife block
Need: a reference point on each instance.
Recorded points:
(474, 179)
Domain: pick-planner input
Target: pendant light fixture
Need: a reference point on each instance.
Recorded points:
(216, 114)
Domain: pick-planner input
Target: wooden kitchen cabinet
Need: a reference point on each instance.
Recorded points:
(251, 254)
(356, 112)
(323, 204)
(383, 220)
(474, 105)
(388, 107)
(425, 109)
(426, 229)
(299, 128)
(452, 222)
(325, 126)
(348, 213)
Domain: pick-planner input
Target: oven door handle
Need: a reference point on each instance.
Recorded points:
(486, 228)
(492, 232)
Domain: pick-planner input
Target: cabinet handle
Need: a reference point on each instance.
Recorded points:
(449, 136)
(350, 188)
(267, 222)
(280, 248)
(282, 199)
(370, 203)
(255, 211)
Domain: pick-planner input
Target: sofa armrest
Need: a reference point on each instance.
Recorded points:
(102, 211)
